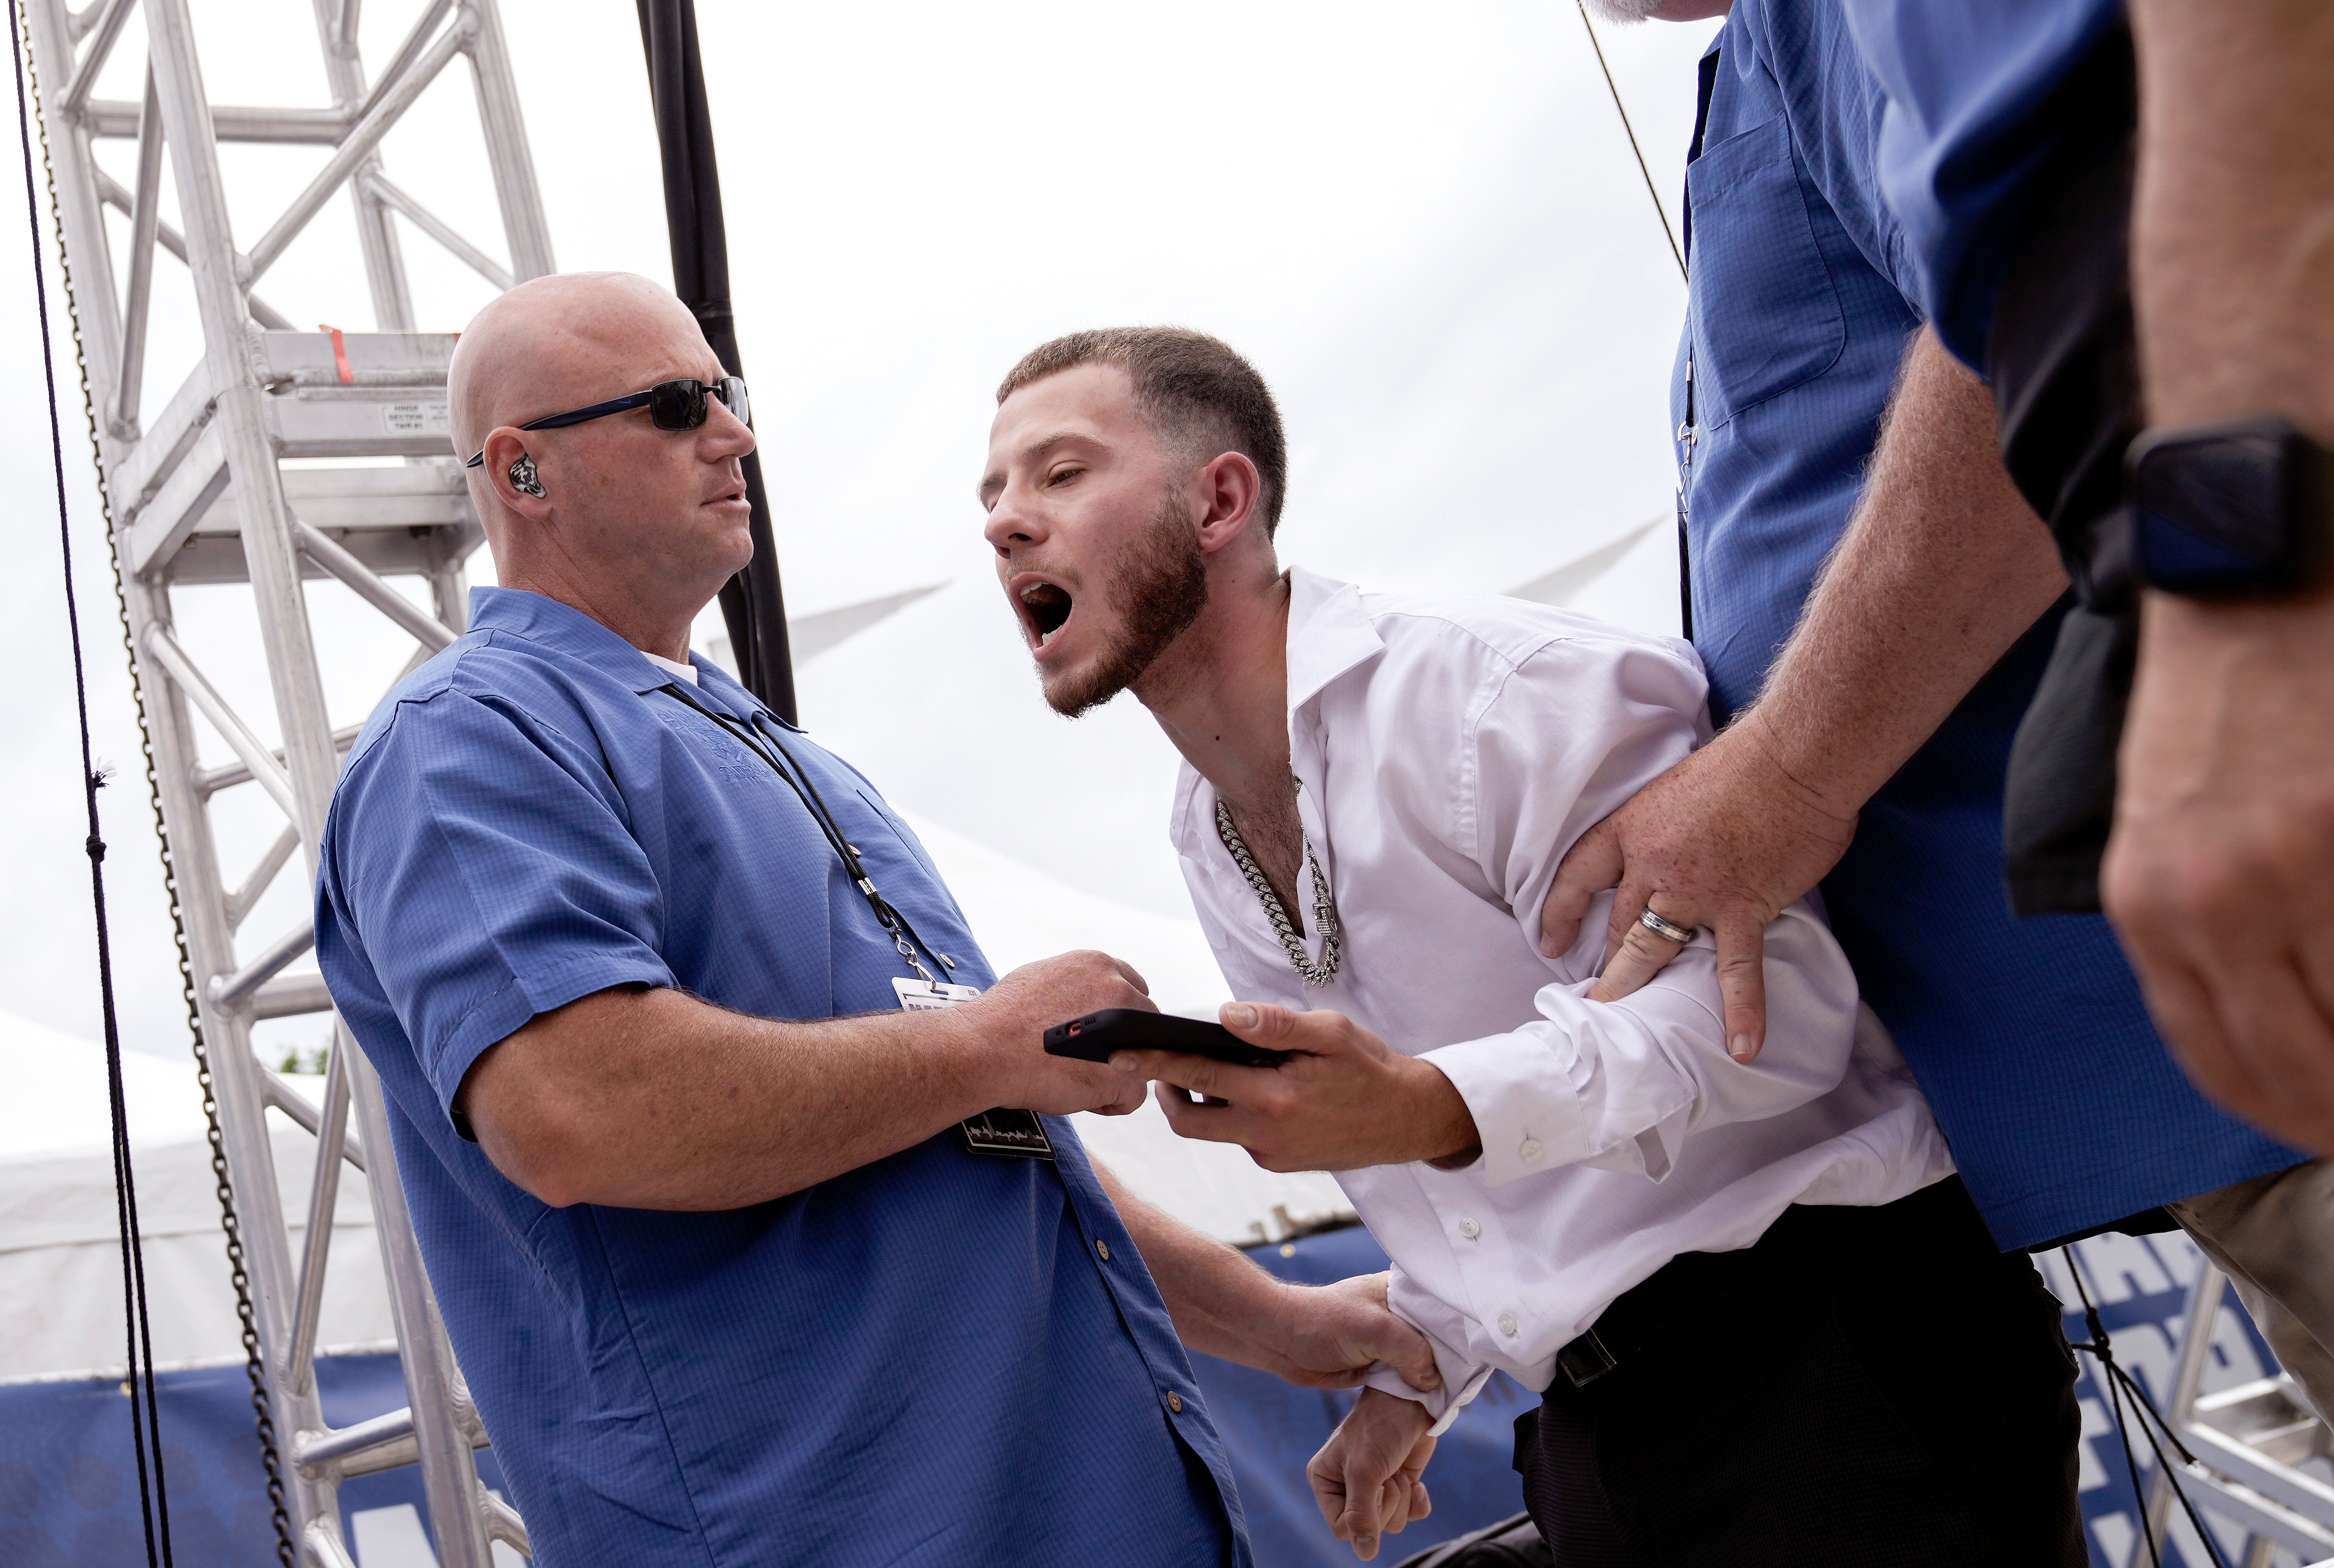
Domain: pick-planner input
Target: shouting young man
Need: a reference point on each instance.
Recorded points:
(1769, 1324)
(753, 1248)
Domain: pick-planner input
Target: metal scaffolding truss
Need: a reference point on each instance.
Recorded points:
(2249, 1444)
(197, 493)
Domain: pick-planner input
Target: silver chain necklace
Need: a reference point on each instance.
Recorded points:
(1325, 914)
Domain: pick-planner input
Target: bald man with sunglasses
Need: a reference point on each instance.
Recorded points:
(744, 1185)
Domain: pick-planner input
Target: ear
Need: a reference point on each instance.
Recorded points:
(1229, 491)
(509, 450)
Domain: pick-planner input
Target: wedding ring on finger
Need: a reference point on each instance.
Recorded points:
(1667, 930)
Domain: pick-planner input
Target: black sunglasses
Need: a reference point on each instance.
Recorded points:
(672, 405)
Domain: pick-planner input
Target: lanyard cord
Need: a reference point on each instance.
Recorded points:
(759, 741)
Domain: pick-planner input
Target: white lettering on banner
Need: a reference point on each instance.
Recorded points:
(416, 418)
(2124, 1267)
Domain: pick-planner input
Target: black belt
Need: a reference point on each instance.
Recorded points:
(1689, 1285)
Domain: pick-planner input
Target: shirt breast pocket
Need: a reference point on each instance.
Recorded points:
(899, 831)
(1766, 316)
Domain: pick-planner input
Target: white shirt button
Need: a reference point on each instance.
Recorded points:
(1508, 1323)
(1528, 1151)
(1469, 1229)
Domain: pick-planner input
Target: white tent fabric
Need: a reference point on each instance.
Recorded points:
(59, 1251)
(60, 1260)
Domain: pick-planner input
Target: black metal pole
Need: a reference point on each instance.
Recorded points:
(751, 602)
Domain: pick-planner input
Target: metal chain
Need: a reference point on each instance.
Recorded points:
(1325, 914)
(254, 1365)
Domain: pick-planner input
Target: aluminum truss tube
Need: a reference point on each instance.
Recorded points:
(209, 782)
(108, 30)
(223, 398)
(211, 944)
(368, 587)
(392, 297)
(506, 150)
(2197, 1318)
(238, 903)
(304, 1115)
(109, 190)
(433, 1385)
(503, 1523)
(228, 993)
(437, 228)
(298, 1365)
(308, 754)
(239, 1084)
(241, 425)
(355, 148)
(96, 299)
(145, 216)
(271, 774)
(231, 122)
(407, 53)
(323, 1540)
(347, 1450)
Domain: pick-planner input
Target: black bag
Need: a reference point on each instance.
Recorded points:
(1509, 1544)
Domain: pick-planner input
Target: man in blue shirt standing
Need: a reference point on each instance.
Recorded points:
(1875, 623)
(2117, 214)
(690, 1071)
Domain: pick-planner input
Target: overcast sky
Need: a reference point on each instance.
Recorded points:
(1422, 223)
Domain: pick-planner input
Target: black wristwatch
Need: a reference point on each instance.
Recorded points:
(2231, 509)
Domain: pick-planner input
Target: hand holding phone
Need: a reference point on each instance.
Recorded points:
(1095, 1036)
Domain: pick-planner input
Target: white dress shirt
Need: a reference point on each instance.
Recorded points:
(1448, 750)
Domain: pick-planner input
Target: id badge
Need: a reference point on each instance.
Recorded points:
(1013, 1134)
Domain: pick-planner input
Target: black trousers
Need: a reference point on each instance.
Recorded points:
(1865, 1388)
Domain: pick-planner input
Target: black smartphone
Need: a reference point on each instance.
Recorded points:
(1095, 1036)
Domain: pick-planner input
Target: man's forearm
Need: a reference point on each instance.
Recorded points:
(1322, 1336)
(2233, 212)
(1219, 1301)
(2218, 872)
(1943, 568)
(649, 1099)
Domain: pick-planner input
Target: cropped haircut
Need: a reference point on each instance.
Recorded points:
(1195, 391)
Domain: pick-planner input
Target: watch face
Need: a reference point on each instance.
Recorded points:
(2233, 509)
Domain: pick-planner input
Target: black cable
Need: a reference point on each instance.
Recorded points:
(1610, 86)
(146, 1418)
(2120, 1385)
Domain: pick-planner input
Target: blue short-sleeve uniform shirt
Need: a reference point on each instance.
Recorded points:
(2029, 1038)
(1970, 91)
(927, 1360)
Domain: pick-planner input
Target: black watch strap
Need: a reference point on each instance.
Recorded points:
(2231, 509)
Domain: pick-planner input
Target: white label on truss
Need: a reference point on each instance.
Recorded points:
(415, 419)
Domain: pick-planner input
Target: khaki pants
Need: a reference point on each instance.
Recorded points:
(2273, 1236)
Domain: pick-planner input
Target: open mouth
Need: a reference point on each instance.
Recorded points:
(1048, 606)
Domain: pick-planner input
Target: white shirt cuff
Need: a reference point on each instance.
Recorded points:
(1445, 1330)
(1462, 1380)
(1523, 1089)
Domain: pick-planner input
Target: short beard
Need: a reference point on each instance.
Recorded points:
(1160, 585)
(1624, 12)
